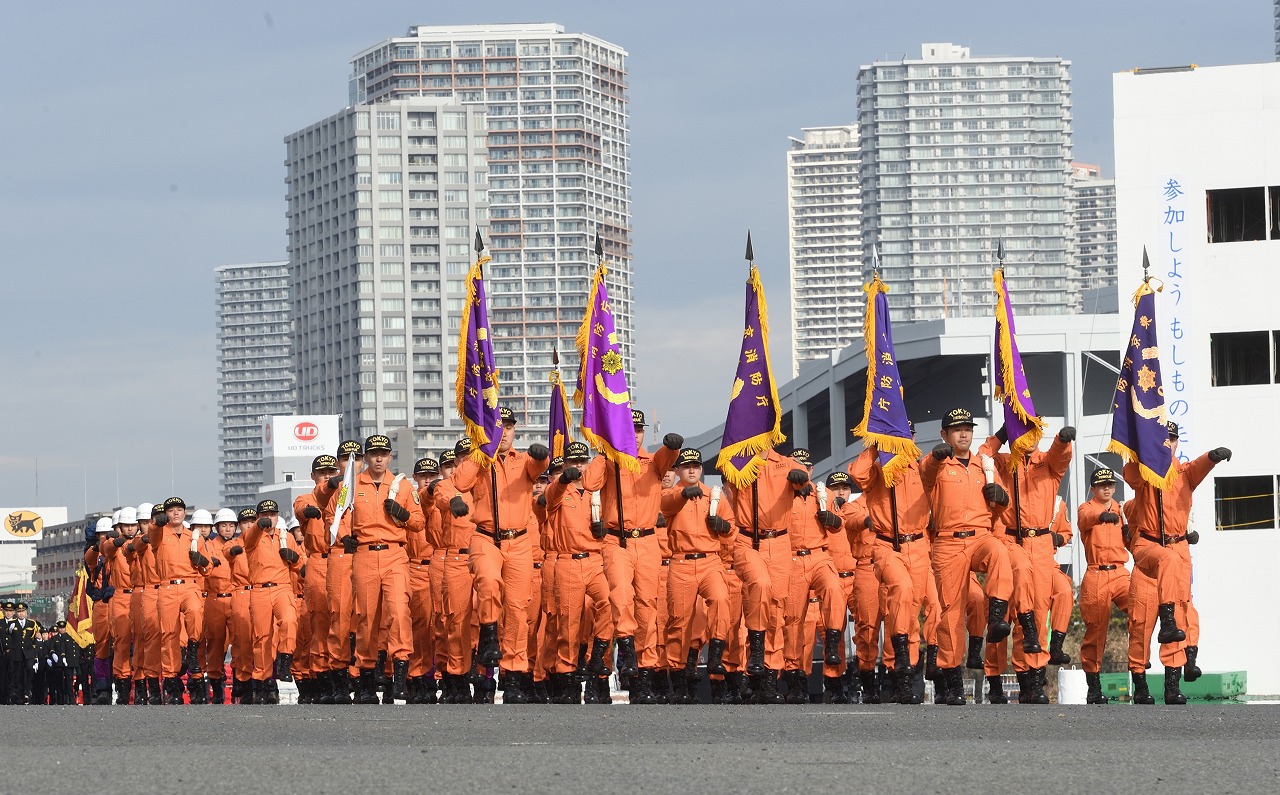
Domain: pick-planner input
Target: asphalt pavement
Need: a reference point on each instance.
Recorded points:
(621, 749)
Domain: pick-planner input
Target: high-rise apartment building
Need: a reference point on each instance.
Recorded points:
(558, 153)
(960, 153)
(255, 369)
(1093, 232)
(825, 237)
(384, 201)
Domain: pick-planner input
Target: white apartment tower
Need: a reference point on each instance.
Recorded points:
(825, 238)
(255, 369)
(960, 153)
(558, 152)
(384, 201)
(1093, 224)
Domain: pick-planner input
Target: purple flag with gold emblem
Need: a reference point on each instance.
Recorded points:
(477, 376)
(602, 381)
(884, 422)
(1138, 422)
(754, 421)
(560, 424)
(1020, 421)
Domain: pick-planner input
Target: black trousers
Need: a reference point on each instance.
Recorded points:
(20, 676)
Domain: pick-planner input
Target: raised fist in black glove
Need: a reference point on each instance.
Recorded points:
(113, 533)
(1067, 434)
(691, 492)
(539, 451)
(1108, 517)
(806, 490)
(542, 500)
(569, 475)
(311, 512)
(1058, 540)
(1219, 454)
(335, 482)
(120, 541)
(197, 560)
(673, 441)
(661, 520)
(395, 510)
(288, 555)
(798, 477)
(839, 502)
(236, 550)
(994, 492)
(1193, 536)
(829, 519)
(718, 526)
(349, 544)
(867, 523)
(597, 530)
(457, 507)
(217, 562)
(943, 451)
(1003, 434)
(264, 523)
(162, 520)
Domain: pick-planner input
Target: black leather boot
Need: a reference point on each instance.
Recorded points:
(904, 691)
(1056, 655)
(691, 667)
(284, 667)
(642, 688)
(123, 689)
(259, 691)
(217, 691)
(733, 684)
(1173, 693)
(955, 687)
(997, 626)
(833, 690)
(766, 688)
(193, 657)
(931, 663)
(247, 691)
(367, 687)
(198, 690)
(540, 695)
(380, 670)
(1141, 694)
(797, 687)
(272, 689)
(1191, 672)
(995, 690)
(339, 686)
(519, 688)
(870, 686)
(1032, 691)
(1169, 632)
(627, 665)
(1094, 694)
(660, 681)
(715, 657)
(680, 690)
(1030, 633)
(324, 687)
(832, 640)
(429, 688)
(852, 686)
(974, 661)
(597, 665)
(717, 691)
(560, 690)
(755, 652)
(399, 676)
(601, 687)
(902, 653)
(490, 654)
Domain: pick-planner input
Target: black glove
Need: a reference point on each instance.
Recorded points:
(1193, 536)
(264, 523)
(236, 550)
(867, 523)
(829, 519)
(120, 541)
(542, 500)
(569, 475)
(1108, 517)
(1126, 535)
(539, 451)
(719, 526)
(597, 530)
(943, 451)
(691, 492)
(1003, 434)
(798, 477)
(162, 520)
(994, 492)
(661, 521)
(1067, 434)
(673, 441)
(839, 502)
(395, 510)
(113, 533)
(1058, 540)
(311, 512)
(349, 544)
(144, 538)
(431, 489)
(217, 562)
(457, 507)
(302, 572)
(1219, 454)
(335, 482)
(288, 555)
(197, 560)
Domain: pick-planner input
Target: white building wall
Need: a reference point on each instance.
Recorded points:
(1210, 129)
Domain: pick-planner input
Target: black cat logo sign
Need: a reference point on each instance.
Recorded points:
(23, 524)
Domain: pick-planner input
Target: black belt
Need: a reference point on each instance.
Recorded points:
(580, 555)
(903, 538)
(248, 588)
(537, 565)
(126, 590)
(157, 587)
(666, 561)
(846, 574)
(324, 554)
(765, 534)
(222, 596)
(960, 534)
(635, 532)
(268, 585)
(425, 562)
(1167, 539)
(1027, 532)
(695, 556)
(380, 547)
(1106, 567)
(504, 535)
(804, 553)
(462, 551)
(178, 582)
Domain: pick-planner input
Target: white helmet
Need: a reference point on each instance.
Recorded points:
(127, 515)
(104, 525)
(201, 517)
(115, 518)
(224, 515)
(293, 523)
(144, 511)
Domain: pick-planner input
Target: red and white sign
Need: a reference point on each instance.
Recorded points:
(303, 437)
(306, 431)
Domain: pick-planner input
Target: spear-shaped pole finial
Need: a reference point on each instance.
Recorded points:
(1000, 255)
(751, 256)
(1146, 266)
(599, 247)
(555, 357)
(875, 260)
(479, 243)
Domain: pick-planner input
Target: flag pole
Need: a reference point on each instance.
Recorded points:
(1017, 494)
(617, 467)
(1146, 279)
(755, 485)
(893, 490)
(493, 471)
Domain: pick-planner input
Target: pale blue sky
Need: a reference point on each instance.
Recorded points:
(142, 149)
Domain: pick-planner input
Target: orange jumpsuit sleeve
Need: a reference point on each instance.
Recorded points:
(1061, 524)
(593, 476)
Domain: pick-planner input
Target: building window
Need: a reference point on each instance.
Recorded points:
(1237, 214)
(1243, 357)
(1245, 503)
(818, 426)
